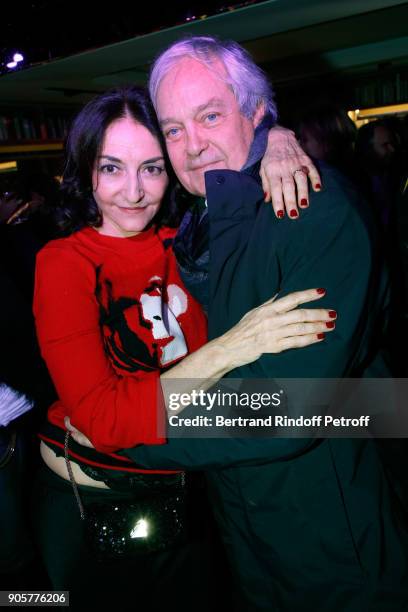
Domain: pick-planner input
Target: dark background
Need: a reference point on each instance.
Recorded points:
(49, 29)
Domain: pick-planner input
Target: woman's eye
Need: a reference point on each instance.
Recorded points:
(154, 170)
(108, 169)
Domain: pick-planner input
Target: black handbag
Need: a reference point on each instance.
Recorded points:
(122, 529)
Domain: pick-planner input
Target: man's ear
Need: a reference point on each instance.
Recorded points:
(259, 115)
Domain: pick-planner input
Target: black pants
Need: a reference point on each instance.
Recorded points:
(16, 549)
(182, 576)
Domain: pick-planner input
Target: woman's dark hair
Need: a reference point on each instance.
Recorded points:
(77, 207)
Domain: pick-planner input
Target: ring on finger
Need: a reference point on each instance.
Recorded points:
(302, 170)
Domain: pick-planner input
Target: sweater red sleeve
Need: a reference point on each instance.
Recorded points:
(113, 411)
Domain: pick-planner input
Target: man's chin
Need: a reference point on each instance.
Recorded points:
(195, 180)
(196, 187)
(199, 193)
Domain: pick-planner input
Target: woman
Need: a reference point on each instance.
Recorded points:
(113, 322)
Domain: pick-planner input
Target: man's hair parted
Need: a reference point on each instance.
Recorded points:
(248, 82)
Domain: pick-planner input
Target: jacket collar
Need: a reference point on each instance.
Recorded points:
(258, 147)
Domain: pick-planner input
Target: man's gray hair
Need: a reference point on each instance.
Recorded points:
(249, 83)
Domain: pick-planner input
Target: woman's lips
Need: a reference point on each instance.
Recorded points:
(132, 211)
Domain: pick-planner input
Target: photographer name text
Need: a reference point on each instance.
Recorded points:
(268, 421)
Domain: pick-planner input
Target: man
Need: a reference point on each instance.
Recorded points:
(310, 527)
(381, 167)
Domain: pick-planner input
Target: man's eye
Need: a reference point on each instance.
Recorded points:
(154, 170)
(172, 132)
(108, 169)
(211, 118)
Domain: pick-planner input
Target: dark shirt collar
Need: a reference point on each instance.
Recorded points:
(258, 147)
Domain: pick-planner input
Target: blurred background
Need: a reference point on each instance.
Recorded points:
(353, 54)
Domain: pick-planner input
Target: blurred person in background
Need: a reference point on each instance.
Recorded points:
(328, 134)
(381, 166)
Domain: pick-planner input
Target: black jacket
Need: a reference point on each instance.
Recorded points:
(311, 526)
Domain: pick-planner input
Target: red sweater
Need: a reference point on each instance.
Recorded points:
(111, 314)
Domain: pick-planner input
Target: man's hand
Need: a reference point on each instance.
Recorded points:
(284, 171)
(79, 437)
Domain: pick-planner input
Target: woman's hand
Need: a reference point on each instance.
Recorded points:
(273, 327)
(285, 169)
(79, 437)
(276, 326)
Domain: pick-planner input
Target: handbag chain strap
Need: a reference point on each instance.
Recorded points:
(74, 484)
(71, 477)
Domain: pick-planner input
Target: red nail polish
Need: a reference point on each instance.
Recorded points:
(320, 336)
(265, 195)
(330, 324)
(304, 202)
(294, 214)
(318, 186)
(332, 314)
(321, 290)
(280, 214)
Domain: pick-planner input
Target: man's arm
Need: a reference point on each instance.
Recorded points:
(208, 454)
(332, 246)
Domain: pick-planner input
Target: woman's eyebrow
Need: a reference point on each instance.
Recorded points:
(114, 159)
(154, 159)
(117, 160)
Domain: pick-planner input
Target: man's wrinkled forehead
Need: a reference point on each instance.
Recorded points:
(194, 85)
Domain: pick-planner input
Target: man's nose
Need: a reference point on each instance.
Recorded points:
(133, 188)
(195, 143)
